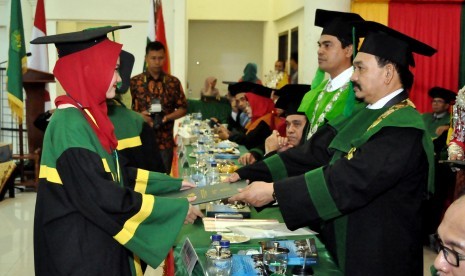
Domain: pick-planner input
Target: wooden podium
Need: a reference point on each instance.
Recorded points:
(34, 82)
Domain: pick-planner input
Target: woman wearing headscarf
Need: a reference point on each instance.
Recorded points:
(93, 215)
(263, 120)
(250, 74)
(209, 90)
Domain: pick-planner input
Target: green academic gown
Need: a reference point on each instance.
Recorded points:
(136, 141)
(331, 105)
(93, 216)
(364, 188)
(432, 123)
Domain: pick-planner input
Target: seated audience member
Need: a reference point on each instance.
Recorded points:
(250, 74)
(277, 78)
(234, 119)
(209, 91)
(289, 100)
(438, 120)
(451, 241)
(280, 67)
(238, 99)
(94, 215)
(263, 118)
(363, 178)
(437, 123)
(294, 64)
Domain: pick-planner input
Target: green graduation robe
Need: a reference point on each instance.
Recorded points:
(136, 141)
(329, 106)
(368, 205)
(94, 217)
(432, 124)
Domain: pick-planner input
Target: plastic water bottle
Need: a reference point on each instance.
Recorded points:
(225, 246)
(216, 238)
(210, 158)
(213, 174)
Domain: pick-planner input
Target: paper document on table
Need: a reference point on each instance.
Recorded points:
(224, 225)
(269, 231)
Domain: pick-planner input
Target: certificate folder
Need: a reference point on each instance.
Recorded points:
(210, 192)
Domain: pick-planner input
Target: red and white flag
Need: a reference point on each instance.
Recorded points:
(39, 53)
(156, 31)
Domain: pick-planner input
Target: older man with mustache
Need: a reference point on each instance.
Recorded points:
(362, 178)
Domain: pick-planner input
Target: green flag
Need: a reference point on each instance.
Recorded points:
(17, 61)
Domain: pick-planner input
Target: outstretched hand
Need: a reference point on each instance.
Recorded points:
(193, 213)
(257, 194)
(234, 177)
(186, 185)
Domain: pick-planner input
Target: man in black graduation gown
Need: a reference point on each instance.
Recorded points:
(289, 99)
(362, 178)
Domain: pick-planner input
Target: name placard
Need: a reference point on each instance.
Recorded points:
(189, 256)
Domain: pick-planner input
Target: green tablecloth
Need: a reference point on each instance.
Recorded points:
(218, 109)
(200, 239)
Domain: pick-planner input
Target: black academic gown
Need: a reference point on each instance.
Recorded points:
(368, 203)
(254, 138)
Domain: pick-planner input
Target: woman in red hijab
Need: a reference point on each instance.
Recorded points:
(261, 110)
(94, 216)
(263, 120)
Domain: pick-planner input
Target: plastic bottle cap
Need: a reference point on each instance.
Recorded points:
(224, 243)
(216, 237)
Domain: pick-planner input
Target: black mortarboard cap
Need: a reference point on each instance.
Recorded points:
(126, 63)
(249, 87)
(335, 23)
(390, 44)
(290, 97)
(439, 92)
(69, 43)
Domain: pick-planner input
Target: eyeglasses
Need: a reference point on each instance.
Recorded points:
(451, 256)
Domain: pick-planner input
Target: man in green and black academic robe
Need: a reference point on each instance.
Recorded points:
(362, 178)
(332, 97)
(440, 116)
(437, 123)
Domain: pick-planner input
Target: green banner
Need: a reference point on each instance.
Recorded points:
(17, 61)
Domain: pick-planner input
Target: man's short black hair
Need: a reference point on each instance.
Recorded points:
(154, 46)
(295, 57)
